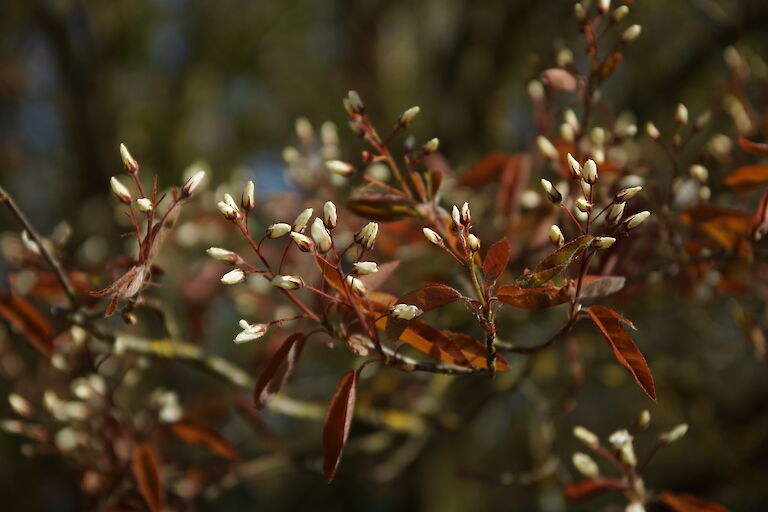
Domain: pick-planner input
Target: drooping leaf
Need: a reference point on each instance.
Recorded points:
(559, 79)
(534, 298)
(278, 370)
(330, 275)
(194, 433)
(688, 503)
(588, 489)
(475, 351)
(485, 170)
(758, 148)
(496, 260)
(27, 321)
(383, 207)
(601, 286)
(608, 322)
(747, 176)
(555, 262)
(147, 473)
(337, 423)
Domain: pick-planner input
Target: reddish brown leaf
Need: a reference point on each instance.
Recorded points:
(431, 296)
(758, 148)
(475, 351)
(747, 176)
(330, 275)
(555, 262)
(601, 286)
(534, 298)
(608, 66)
(688, 503)
(373, 281)
(760, 219)
(278, 370)
(193, 433)
(496, 260)
(337, 423)
(587, 489)
(28, 322)
(608, 322)
(485, 170)
(726, 226)
(513, 181)
(147, 473)
(383, 207)
(434, 180)
(559, 79)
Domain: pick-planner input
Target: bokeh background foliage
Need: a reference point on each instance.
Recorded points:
(224, 80)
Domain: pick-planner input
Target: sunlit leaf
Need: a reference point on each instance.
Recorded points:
(747, 176)
(608, 322)
(496, 260)
(688, 503)
(203, 435)
(555, 262)
(430, 296)
(534, 298)
(147, 474)
(278, 370)
(337, 423)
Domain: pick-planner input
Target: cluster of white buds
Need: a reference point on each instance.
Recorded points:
(302, 241)
(278, 230)
(556, 236)
(553, 194)
(356, 285)
(224, 255)
(320, 235)
(621, 440)
(405, 311)
(330, 216)
(364, 268)
(120, 190)
(228, 207)
(234, 276)
(130, 163)
(248, 201)
(288, 282)
(585, 465)
(340, 168)
(432, 236)
(366, 237)
(250, 332)
(300, 224)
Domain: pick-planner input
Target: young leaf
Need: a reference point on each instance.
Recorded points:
(587, 489)
(608, 322)
(431, 296)
(688, 503)
(533, 298)
(555, 262)
(496, 260)
(193, 433)
(747, 176)
(337, 423)
(27, 321)
(147, 474)
(758, 148)
(278, 370)
(601, 286)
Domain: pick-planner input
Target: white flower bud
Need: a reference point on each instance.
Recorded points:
(320, 236)
(330, 216)
(615, 212)
(120, 191)
(250, 332)
(248, 201)
(354, 102)
(224, 255)
(473, 242)
(304, 130)
(585, 436)
(364, 268)
(456, 217)
(636, 219)
(301, 220)
(553, 194)
(699, 172)
(631, 33)
(583, 205)
(431, 146)
(604, 242)
(288, 282)
(291, 155)
(233, 277)
(675, 434)
(144, 204)
(546, 148)
(556, 235)
(432, 236)
(130, 164)
(408, 116)
(681, 114)
(579, 11)
(466, 214)
(603, 6)
(366, 237)
(227, 210)
(644, 419)
(652, 131)
(589, 172)
(628, 193)
(406, 311)
(536, 90)
(620, 438)
(20, 405)
(356, 285)
(574, 166)
(586, 465)
(278, 230)
(567, 133)
(340, 168)
(635, 506)
(619, 13)
(571, 119)
(191, 184)
(303, 242)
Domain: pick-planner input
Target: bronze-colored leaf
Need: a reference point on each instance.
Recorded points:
(688, 503)
(758, 148)
(747, 176)
(760, 219)
(337, 423)
(608, 322)
(496, 260)
(373, 281)
(534, 298)
(559, 79)
(28, 322)
(193, 433)
(475, 351)
(555, 262)
(608, 66)
(383, 207)
(726, 226)
(485, 170)
(147, 473)
(279, 368)
(588, 489)
(430, 296)
(601, 286)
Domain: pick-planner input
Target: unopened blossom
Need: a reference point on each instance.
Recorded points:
(301, 220)
(589, 172)
(224, 255)
(631, 33)
(628, 193)
(120, 190)
(585, 436)
(432, 236)
(636, 219)
(278, 230)
(366, 237)
(615, 212)
(466, 214)
(574, 166)
(406, 311)
(556, 235)
(363, 268)
(303, 242)
(288, 282)
(248, 201)
(144, 204)
(473, 242)
(356, 285)
(130, 163)
(553, 194)
(604, 242)
(431, 146)
(407, 117)
(233, 277)
(250, 332)
(340, 168)
(675, 434)
(330, 215)
(191, 184)
(320, 236)
(586, 465)
(546, 148)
